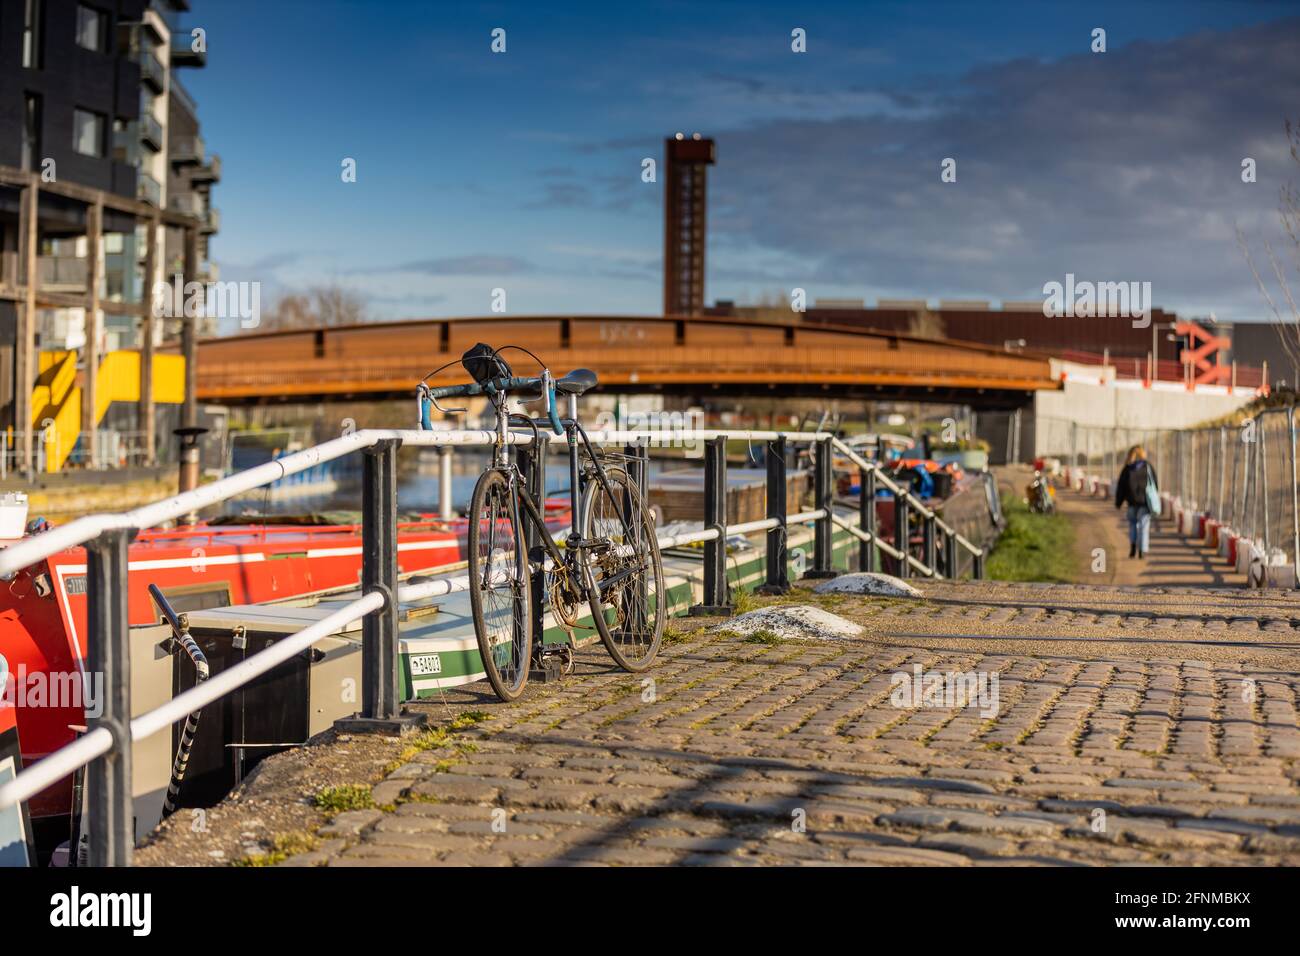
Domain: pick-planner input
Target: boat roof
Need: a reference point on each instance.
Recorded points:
(875, 438)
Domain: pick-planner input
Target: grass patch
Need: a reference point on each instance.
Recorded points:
(679, 635)
(743, 601)
(283, 846)
(437, 737)
(469, 719)
(350, 796)
(1033, 547)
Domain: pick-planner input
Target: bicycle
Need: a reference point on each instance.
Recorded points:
(609, 561)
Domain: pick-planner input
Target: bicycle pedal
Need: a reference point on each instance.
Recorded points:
(547, 671)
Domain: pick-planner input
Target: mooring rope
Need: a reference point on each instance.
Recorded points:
(191, 727)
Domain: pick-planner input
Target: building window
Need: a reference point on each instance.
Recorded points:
(92, 29)
(33, 14)
(87, 132)
(31, 146)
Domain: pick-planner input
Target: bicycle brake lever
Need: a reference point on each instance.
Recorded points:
(447, 411)
(548, 388)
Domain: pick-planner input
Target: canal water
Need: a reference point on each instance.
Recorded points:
(418, 486)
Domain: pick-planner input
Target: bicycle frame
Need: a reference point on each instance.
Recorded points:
(573, 432)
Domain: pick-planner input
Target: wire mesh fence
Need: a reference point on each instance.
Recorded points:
(1243, 475)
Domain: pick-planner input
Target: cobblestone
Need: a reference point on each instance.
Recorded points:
(800, 758)
(795, 755)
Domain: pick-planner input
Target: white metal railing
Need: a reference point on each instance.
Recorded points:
(99, 741)
(39, 547)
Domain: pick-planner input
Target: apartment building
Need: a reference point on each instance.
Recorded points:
(91, 102)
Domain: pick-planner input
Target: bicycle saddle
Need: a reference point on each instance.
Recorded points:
(576, 382)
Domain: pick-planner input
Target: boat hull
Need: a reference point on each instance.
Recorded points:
(43, 610)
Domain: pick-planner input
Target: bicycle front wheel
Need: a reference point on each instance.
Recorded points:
(499, 591)
(625, 573)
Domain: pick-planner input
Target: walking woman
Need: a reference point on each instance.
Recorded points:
(1137, 488)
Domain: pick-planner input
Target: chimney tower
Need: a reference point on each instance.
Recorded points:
(685, 208)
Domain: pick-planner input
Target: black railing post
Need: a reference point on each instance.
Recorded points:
(715, 518)
(950, 555)
(638, 467)
(532, 464)
(778, 580)
(928, 531)
(381, 704)
(902, 533)
(867, 518)
(108, 779)
(823, 528)
(977, 571)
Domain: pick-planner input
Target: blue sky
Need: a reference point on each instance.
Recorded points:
(522, 170)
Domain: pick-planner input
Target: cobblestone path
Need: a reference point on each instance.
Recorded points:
(1132, 726)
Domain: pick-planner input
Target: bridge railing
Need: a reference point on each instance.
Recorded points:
(106, 748)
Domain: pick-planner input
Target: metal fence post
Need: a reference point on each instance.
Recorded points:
(867, 519)
(1252, 484)
(532, 461)
(1251, 481)
(638, 455)
(902, 534)
(1262, 491)
(715, 601)
(1234, 521)
(108, 779)
(1295, 514)
(1219, 513)
(977, 570)
(823, 555)
(1209, 470)
(928, 536)
(950, 569)
(381, 703)
(778, 580)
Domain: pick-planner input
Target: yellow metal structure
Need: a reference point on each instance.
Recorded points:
(56, 400)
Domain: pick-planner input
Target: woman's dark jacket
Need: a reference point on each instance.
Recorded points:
(1131, 487)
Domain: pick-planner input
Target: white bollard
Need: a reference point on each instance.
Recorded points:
(1280, 576)
(1246, 552)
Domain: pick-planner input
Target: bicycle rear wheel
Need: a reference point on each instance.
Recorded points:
(626, 578)
(499, 591)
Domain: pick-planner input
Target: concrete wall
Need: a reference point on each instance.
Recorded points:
(1107, 414)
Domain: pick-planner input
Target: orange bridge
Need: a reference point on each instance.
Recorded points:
(695, 355)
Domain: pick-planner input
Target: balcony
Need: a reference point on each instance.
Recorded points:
(211, 222)
(62, 273)
(184, 54)
(188, 204)
(147, 189)
(181, 96)
(152, 72)
(151, 132)
(126, 145)
(207, 172)
(187, 151)
(167, 12)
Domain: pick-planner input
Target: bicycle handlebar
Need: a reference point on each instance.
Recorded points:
(543, 383)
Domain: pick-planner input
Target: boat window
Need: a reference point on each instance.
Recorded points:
(197, 597)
